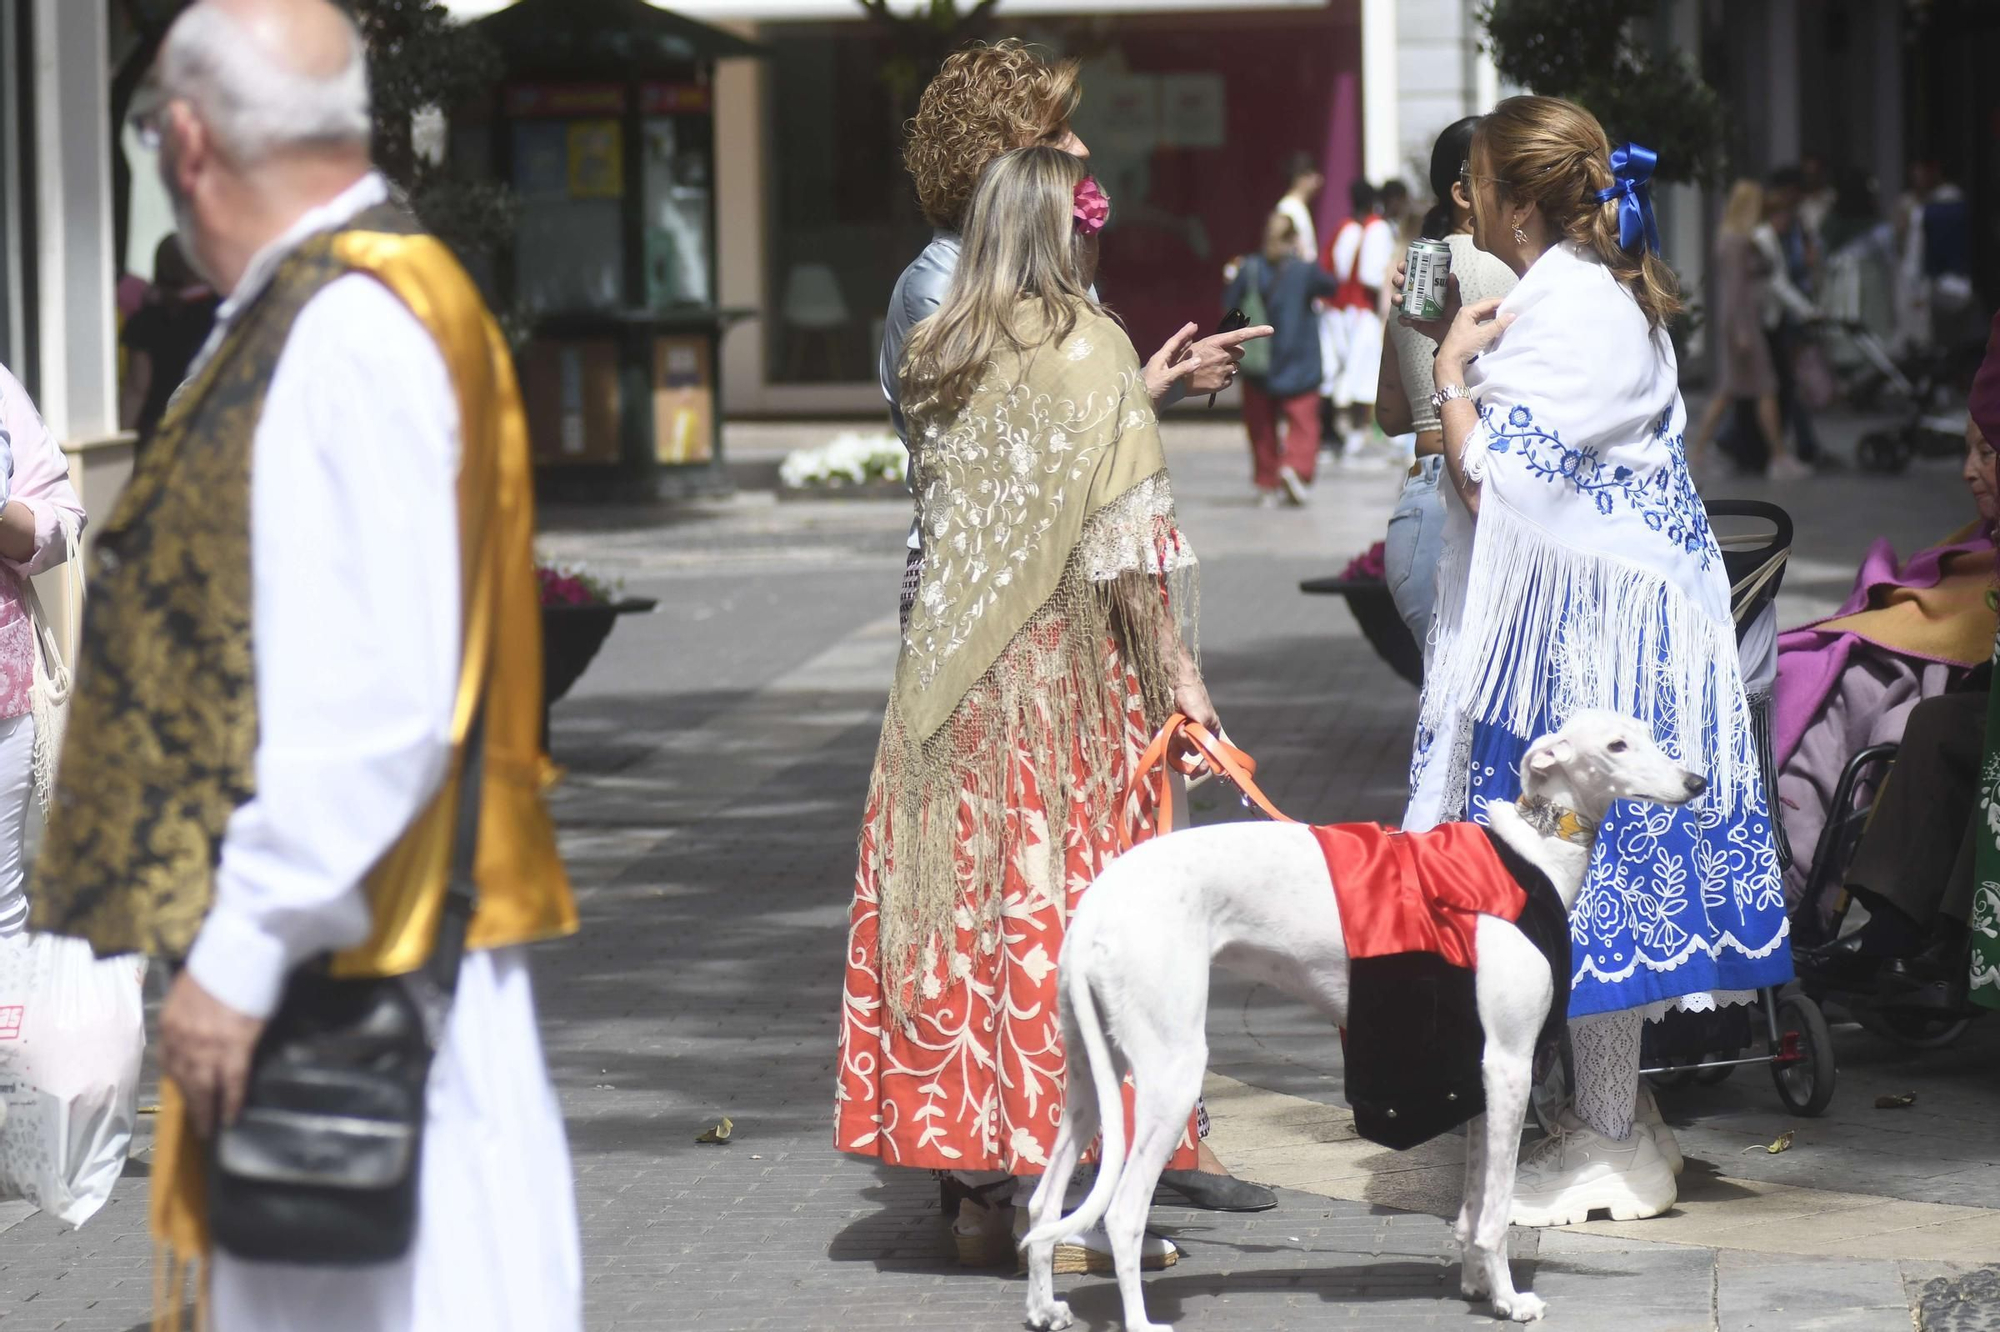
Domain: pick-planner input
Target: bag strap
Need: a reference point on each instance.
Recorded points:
(1207, 750)
(461, 895)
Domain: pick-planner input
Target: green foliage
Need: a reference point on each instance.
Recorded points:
(1596, 53)
(420, 57)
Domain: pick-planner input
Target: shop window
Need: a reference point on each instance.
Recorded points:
(844, 222)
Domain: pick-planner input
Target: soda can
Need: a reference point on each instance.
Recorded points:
(1425, 279)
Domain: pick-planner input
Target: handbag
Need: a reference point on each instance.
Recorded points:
(1256, 361)
(321, 1167)
(48, 695)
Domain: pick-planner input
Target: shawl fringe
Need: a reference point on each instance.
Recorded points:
(1051, 712)
(1533, 612)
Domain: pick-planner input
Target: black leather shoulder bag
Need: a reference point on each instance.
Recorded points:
(322, 1166)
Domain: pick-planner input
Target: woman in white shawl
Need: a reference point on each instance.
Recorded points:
(1580, 572)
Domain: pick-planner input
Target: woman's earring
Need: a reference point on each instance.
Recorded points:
(1520, 236)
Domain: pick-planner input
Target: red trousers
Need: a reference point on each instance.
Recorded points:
(1300, 449)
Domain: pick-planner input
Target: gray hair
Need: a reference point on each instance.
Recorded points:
(254, 104)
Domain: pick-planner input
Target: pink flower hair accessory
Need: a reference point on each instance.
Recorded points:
(1091, 208)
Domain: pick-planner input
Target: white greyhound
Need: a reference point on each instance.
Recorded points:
(1257, 899)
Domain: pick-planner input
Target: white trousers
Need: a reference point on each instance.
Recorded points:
(17, 784)
(496, 1246)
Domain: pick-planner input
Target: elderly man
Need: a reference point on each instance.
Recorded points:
(313, 601)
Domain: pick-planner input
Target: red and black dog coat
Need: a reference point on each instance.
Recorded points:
(1409, 906)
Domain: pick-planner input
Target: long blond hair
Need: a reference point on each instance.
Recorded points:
(1553, 154)
(1744, 210)
(1021, 255)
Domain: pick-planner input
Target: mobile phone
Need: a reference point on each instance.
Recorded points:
(1232, 321)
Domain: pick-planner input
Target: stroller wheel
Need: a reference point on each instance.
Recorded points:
(1882, 451)
(1913, 1027)
(1805, 1083)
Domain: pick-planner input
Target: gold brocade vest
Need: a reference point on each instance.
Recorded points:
(163, 721)
(163, 724)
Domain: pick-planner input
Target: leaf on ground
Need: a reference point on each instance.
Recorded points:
(1781, 1143)
(719, 1134)
(1908, 1098)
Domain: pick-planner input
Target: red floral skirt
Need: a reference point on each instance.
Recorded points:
(975, 1080)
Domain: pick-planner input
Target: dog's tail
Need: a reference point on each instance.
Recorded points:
(1110, 1114)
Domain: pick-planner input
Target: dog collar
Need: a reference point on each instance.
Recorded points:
(1552, 820)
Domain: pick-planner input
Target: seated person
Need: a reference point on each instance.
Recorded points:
(1913, 870)
(1904, 635)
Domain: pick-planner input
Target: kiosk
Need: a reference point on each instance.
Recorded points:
(603, 126)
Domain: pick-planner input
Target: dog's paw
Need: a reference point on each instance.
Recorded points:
(1052, 1319)
(1472, 1283)
(1521, 1307)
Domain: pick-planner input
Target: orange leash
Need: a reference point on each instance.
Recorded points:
(1205, 748)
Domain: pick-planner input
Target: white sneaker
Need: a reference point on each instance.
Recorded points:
(1577, 1171)
(1296, 490)
(1268, 499)
(1787, 468)
(1648, 1119)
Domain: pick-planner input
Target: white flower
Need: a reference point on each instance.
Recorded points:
(848, 457)
(1022, 1144)
(1079, 348)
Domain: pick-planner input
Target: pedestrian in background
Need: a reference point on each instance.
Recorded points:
(1281, 405)
(1402, 218)
(985, 101)
(1592, 580)
(1307, 182)
(1044, 651)
(1743, 273)
(162, 338)
(1789, 312)
(1415, 540)
(40, 517)
(315, 595)
(1359, 256)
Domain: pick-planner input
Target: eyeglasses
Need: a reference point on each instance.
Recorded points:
(149, 109)
(1466, 178)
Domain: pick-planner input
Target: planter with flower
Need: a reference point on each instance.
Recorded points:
(1367, 593)
(579, 610)
(851, 465)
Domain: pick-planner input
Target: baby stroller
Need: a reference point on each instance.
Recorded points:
(1928, 386)
(1784, 1029)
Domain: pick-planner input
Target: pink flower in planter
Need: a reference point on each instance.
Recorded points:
(559, 588)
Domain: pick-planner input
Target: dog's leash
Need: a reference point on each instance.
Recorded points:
(1221, 757)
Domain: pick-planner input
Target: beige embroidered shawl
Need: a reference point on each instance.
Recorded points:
(1049, 537)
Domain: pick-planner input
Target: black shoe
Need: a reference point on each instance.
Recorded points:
(1938, 977)
(1217, 1193)
(1845, 964)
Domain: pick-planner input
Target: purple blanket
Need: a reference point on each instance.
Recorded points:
(1811, 660)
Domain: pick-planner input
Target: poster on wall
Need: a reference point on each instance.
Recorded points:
(1125, 111)
(1193, 111)
(596, 159)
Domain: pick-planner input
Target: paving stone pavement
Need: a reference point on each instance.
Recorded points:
(717, 754)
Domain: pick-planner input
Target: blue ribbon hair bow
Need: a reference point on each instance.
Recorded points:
(1632, 176)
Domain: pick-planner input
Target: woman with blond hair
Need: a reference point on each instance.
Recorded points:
(1581, 573)
(1043, 651)
(1745, 370)
(984, 101)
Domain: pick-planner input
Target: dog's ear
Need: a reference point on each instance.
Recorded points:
(1546, 758)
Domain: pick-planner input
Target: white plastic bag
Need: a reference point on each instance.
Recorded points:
(72, 1031)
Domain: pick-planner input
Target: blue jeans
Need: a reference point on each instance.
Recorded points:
(1414, 543)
